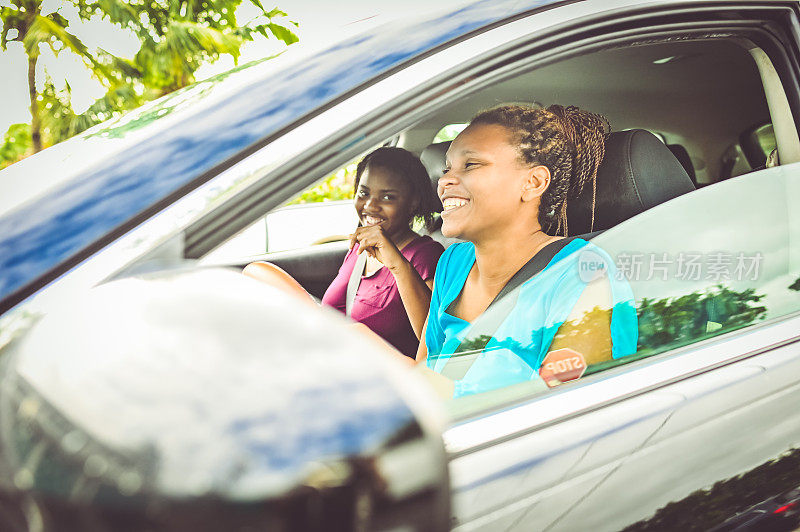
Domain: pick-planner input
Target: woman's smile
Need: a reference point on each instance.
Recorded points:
(370, 219)
(452, 203)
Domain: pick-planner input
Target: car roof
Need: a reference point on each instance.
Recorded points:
(119, 173)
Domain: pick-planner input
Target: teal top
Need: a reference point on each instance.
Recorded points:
(522, 340)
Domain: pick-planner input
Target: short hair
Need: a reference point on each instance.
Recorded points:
(407, 166)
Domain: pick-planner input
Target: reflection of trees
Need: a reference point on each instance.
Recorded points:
(795, 285)
(663, 324)
(473, 344)
(588, 336)
(706, 508)
(692, 316)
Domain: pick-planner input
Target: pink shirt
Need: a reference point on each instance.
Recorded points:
(378, 304)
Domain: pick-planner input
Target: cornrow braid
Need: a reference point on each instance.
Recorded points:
(570, 142)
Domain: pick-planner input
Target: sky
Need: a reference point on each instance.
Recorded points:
(320, 21)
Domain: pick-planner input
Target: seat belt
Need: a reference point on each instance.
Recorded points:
(483, 328)
(353, 282)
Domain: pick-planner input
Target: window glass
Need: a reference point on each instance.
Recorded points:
(449, 132)
(704, 264)
(765, 136)
(323, 213)
(758, 144)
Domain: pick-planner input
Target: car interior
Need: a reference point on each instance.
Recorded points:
(684, 115)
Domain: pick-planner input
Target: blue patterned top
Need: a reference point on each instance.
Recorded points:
(545, 301)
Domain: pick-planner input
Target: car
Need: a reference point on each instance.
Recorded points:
(142, 387)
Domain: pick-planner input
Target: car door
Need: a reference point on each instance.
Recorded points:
(642, 442)
(707, 402)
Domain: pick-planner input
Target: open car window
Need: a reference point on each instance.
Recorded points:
(320, 214)
(705, 264)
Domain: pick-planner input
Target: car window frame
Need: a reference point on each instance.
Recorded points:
(205, 216)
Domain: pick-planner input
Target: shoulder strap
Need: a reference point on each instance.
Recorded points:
(353, 282)
(537, 263)
(483, 328)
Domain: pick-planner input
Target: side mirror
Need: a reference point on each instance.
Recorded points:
(204, 400)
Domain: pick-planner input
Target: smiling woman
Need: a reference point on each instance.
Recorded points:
(505, 190)
(386, 278)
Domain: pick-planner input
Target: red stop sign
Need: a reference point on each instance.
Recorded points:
(562, 365)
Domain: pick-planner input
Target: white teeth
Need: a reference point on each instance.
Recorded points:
(452, 203)
(371, 220)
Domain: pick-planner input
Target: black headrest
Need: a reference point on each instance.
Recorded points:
(682, 155)
(434, 158)
(638, 172)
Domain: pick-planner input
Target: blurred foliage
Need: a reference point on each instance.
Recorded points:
(16, 142)
(337, 186)
(684, 319)
(177, 37)
(25, 22)
(163, 106)
(670, 323)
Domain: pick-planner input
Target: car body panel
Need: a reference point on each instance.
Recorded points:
(611, 467)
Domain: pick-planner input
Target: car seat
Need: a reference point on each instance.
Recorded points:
(638, 172)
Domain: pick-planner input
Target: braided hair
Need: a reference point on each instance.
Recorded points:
(406, 166)
(568, 141)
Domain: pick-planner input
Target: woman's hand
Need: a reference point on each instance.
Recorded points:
(415, 292)
(374, 241)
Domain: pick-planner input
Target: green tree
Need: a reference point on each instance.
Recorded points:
(178, 36)
(688, 318)
(26, 23)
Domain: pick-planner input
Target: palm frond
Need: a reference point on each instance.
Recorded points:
(282, 33)
(126, 68)
(51, 29)
(13, 19)
(118, 12)
(48, 30)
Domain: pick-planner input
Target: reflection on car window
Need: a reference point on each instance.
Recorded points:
(549, 328)
(707, 263)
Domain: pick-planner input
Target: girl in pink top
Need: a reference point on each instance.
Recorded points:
(392, 188)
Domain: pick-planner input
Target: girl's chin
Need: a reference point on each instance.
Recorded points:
(451, 230)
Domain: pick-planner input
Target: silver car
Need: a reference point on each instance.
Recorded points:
(142, 388)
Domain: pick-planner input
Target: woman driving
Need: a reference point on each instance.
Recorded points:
(508, 179)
